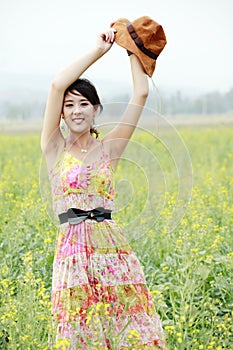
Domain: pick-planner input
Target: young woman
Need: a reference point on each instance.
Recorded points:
(99, 295)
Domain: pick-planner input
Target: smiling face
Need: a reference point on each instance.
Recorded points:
(78, 112)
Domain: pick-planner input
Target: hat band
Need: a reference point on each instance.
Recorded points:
(139, 43)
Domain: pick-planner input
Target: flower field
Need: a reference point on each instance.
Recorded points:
(177, 211)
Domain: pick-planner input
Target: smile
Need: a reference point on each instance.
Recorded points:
(78, 120)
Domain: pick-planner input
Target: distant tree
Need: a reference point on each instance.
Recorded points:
(211, 103)
(228, 100)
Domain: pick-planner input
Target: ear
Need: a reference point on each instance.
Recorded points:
(96, 108)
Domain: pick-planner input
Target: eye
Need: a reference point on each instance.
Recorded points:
(83, 104)
(69, 105)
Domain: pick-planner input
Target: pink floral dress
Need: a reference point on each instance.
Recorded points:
(99, 295)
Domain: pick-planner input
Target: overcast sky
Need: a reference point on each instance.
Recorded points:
(40, 37)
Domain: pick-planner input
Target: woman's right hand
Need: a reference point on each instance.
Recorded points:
(106, 39)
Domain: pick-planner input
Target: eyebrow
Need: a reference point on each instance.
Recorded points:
(83, 99)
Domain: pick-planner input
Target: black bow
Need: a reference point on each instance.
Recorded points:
(75, 216)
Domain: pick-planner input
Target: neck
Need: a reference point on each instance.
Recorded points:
(81, 140)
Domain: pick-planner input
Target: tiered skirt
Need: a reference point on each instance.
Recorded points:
(100, 299)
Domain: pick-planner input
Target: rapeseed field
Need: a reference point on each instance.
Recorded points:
(174, 199)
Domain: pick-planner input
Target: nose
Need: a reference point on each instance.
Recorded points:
(77, 109)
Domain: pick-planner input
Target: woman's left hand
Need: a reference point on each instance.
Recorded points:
(106, 39)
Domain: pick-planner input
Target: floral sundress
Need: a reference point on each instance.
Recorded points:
(99, 295)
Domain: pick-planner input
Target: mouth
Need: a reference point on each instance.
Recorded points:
(77, 120)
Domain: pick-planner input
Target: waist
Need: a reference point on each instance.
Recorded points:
(63, 203)
(74, 215)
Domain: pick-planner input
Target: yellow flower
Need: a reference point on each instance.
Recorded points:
(62, 344)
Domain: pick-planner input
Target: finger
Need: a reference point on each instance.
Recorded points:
(110, 36)
(113, 31)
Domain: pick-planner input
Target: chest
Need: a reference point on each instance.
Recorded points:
(75, 176)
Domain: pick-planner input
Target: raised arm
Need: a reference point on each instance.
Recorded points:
(118, 138)
(51, 134)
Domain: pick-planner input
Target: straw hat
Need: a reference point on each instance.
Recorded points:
(144, 37)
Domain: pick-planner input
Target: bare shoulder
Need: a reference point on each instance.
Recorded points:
(110, 140)
(107, 142)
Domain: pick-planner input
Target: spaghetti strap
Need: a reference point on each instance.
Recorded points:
(104, 153)
(64, 148)
(102, 147)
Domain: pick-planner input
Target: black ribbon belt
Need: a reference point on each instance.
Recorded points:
(139, 42)
(74, 216)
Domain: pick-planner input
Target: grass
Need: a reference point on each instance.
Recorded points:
(178, 216)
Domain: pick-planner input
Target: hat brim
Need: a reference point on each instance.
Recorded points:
(123, 38)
